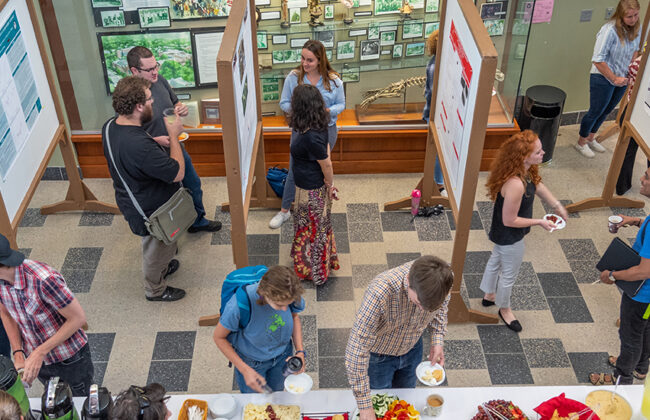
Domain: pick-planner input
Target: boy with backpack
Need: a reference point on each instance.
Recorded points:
(259, 325)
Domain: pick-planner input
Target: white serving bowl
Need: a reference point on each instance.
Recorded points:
(222, 405)
(298, 384)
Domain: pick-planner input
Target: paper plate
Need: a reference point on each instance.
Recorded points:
(426, 367)
(560, 224)
(183, 136)
(298, 384)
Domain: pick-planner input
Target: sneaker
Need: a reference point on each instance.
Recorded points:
(443, 193)
(170, 294)
(172, 267)
(584, 150)
(596, 147)
(279, 219)
(211, 226)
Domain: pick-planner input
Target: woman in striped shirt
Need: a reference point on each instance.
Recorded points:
(616, 46)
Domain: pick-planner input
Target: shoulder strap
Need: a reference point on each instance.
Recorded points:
(244, 304)
(128, 190)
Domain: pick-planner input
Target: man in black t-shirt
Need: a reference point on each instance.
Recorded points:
(152, 175)
(143, 64)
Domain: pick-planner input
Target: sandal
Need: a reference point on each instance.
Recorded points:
(611, 360)
(601, 379)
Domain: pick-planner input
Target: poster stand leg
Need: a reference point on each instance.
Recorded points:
(405, 202)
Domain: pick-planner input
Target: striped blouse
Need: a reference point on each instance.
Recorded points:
(611, 51)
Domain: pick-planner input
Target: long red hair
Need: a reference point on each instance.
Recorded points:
(510, 163)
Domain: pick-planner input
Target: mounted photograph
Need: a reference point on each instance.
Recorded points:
(112, 19)
(397, 51)
(329, 11)
(387, 38)
(414, 49)
(294, 15)
(383, 7)
(494, 27)
(412, 29)
(262, 40)
(154, 17)
(369, 50)
(325, 37)
(432, 6)
(344, 50)
(198, 9)
(97, 4)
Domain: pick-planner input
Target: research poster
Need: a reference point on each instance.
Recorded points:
(20, 104)
(207, 46)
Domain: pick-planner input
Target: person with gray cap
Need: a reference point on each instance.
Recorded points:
(44, 322)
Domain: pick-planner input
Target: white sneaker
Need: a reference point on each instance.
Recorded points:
(279, 219)
(584, 150)
(444, 193)
(596, 147)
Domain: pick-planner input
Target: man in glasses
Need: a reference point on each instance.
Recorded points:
(143, 64)
(151, 173)
(385, 343)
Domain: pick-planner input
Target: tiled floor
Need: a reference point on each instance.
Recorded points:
(568, 322)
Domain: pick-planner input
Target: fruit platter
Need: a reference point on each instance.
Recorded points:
(389, 407)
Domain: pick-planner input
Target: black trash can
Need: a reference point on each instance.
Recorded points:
(541, 112)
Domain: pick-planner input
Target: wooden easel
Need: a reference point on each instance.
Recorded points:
(628, 129)
(462, 205)
(79, 196)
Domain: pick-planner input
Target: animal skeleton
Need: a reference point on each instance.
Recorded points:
(393, 90)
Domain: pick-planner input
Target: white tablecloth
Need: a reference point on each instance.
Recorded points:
(460, 403)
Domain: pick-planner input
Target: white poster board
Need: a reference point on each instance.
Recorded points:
(460, 64)
(243, 74)
(28, 118)
(640, 116)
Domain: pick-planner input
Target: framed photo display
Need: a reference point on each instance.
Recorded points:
(294, 15)
(383, 7)
(205, 44)
(210, 111)
(432, 6)
(278, 39)
(326, 37)
(387, 38)
(412, 29)
(429, 27)
(414, 49)
(112, 18)
(370, 49)
(329, 11)
(494, 27)
(397, 51)
(200, 9)
(97, 4)
(262, 40)
(345, 50)
(154, 17)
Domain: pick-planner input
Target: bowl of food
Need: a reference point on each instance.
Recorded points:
(223, 405)
(559, 222)
(298, 384)
(609, 405)
(430, 374)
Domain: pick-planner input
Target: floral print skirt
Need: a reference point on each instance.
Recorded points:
(313, 249)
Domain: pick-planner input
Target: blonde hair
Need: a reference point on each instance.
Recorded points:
(432, 42)
(622, 30)
(9, 407)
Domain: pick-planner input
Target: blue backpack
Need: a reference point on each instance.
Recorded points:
(277, 178)
(235, 284)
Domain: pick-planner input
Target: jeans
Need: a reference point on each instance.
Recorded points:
(192, 181)
(634, 334)
(77, 371)
(437, 173)
(270, 369)
(603, 98)
(5, 347)
(290, 185)
(387, 371)
(502, 270)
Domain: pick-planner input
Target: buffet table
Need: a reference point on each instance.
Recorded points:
(460, 403)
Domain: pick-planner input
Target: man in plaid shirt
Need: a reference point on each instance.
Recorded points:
(385, 344)
(43, 320)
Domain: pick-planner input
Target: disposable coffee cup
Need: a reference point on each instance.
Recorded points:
(170, 115)
(613, 223)
(434, 405)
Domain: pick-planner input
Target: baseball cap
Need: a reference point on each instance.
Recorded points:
(8, 256)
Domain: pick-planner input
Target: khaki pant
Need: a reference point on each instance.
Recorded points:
(155, 259)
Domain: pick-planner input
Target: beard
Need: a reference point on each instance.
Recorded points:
(147, 115)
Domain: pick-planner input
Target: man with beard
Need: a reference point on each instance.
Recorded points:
(152, 174)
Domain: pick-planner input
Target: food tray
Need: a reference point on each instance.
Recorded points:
(203, 405)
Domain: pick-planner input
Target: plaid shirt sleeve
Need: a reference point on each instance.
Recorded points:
(54, 291)
(439, 323)
(357, 353)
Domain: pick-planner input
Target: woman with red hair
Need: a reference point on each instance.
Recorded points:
(513, 183)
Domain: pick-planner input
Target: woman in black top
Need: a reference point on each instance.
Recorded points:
(313, 249)
(513, 183)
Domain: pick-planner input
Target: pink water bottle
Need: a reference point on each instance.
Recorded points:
(415, 202)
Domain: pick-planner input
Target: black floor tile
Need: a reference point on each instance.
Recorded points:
(79, 281)
(629, 211)
(397, 259)
(464, 354)
(508, 369)
(174, 345)
(96, 219)
(52, 173)
(558, 284)
(585, 363)
(82, 258)
(584, 271)
(434, 228)
(173, 375)
(286, 232)
(221, 237)
(527, 298)
(342, 242)
(25, 251)
(476, 223)
(363, 212)
(548, 208)
(267, 260)
(310, 341)
(100, 371)
(332, 341)
(579, 249)
(332, 373)
(569, 309)
(397, 221)
(101, 345)
(263, 244)
(222, 216)
(499, 339)
(485, 209)
(475, 262)
(545, 353)
(365, 232)
(362, 275)
(335, 289)
(33, 218)
(339, 222)
(527, 275)
(473, 285)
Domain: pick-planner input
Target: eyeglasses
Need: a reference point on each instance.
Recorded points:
(149, 70)
(143, 401)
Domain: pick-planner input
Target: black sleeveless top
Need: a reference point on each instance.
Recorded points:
(504, 235)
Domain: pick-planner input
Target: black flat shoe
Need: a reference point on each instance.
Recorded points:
(514, 325)
(170, 294)
(212, 226)
(487, 303)
(172, 267)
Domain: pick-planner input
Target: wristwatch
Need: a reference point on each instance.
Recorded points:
(611, 276)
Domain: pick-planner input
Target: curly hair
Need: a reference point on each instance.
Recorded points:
(324, 68)
(510, 163)
(149, 400)
(128, 93)
(622, 30)
(432, 42)
(279, 284)
(308, 110)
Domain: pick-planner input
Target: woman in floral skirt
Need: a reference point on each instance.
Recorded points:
(313, 249)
